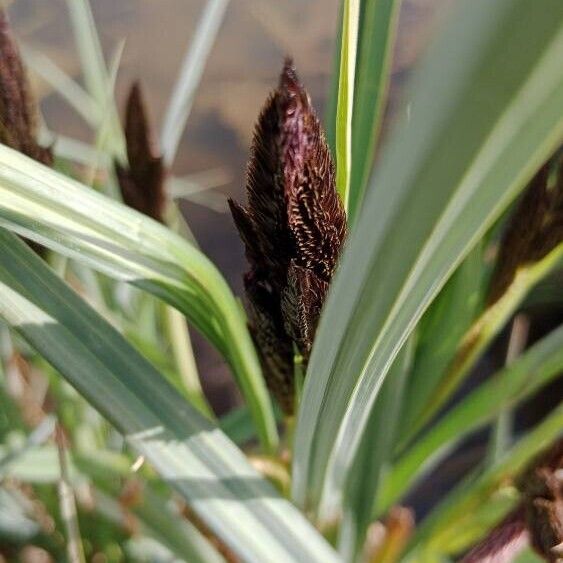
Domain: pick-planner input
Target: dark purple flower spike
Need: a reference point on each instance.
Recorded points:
(18, 110)
(142, 182)
(293, 228)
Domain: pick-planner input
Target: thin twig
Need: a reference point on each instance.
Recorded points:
(502, 427)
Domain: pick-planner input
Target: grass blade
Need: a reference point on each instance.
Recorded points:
(181, 345)
(96, 75)
(439, 333)
(502, 430)
(332, 102)
(190, 75)
(537, 367)
(485, 328)
(378, 28)
(78, 222)
(63, 84)
(190, 454)
(373, 458)
(471, 145)
(67, 502)
(345, 104)
(465, 504)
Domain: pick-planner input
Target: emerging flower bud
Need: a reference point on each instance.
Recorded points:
(535, 228)
(18, 111)
(142, 183)
(541, 486)
(293, 228)
(537, 520)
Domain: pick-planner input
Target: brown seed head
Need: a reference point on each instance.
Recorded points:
(535, 228)
(541, 486)
(292, 227)
(537, 520)
(18, 111)
(142, 183)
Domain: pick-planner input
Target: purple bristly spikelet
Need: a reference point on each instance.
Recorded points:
(293, 227)
(535, 228)
(18, 110)
(536, 521)
(142, 182)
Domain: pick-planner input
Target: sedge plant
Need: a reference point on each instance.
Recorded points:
(380, 271)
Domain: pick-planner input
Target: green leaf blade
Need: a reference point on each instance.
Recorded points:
(46, 206)
(537, 367)
(494, 121)
(378, 28)
(345, 103)
(193, 456)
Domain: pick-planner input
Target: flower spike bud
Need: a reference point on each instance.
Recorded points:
(18, 110)
(535, 228)
(538, 518)
(142, 183)
(293, 228)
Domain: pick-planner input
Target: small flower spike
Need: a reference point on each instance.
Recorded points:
(538, 518)
(293, 228)
(142, 183)
(18, 110)
(535, 228)
(541, 486)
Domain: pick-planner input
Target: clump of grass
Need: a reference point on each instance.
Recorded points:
(364, 341)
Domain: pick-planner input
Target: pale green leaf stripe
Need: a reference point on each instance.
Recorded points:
(542, 363)
(345, 104)
(373, 457)
(440, 330)
(472, 143)
(65, 215)
(193, 456)
(189, 77)
(378, 27)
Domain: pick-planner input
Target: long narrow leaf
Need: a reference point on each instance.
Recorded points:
(190, 75)
(440, 331)
(378, 27)
(65, 215)
(472, 143)
(96, 75)
(536, 368)
(466, 501)
(373, 457)
(345, 105)
(63, 84)
(193, 456)
(332, 102)
(483, 331)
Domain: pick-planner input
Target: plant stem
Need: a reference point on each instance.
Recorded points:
(182, 351)
(502, 427)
